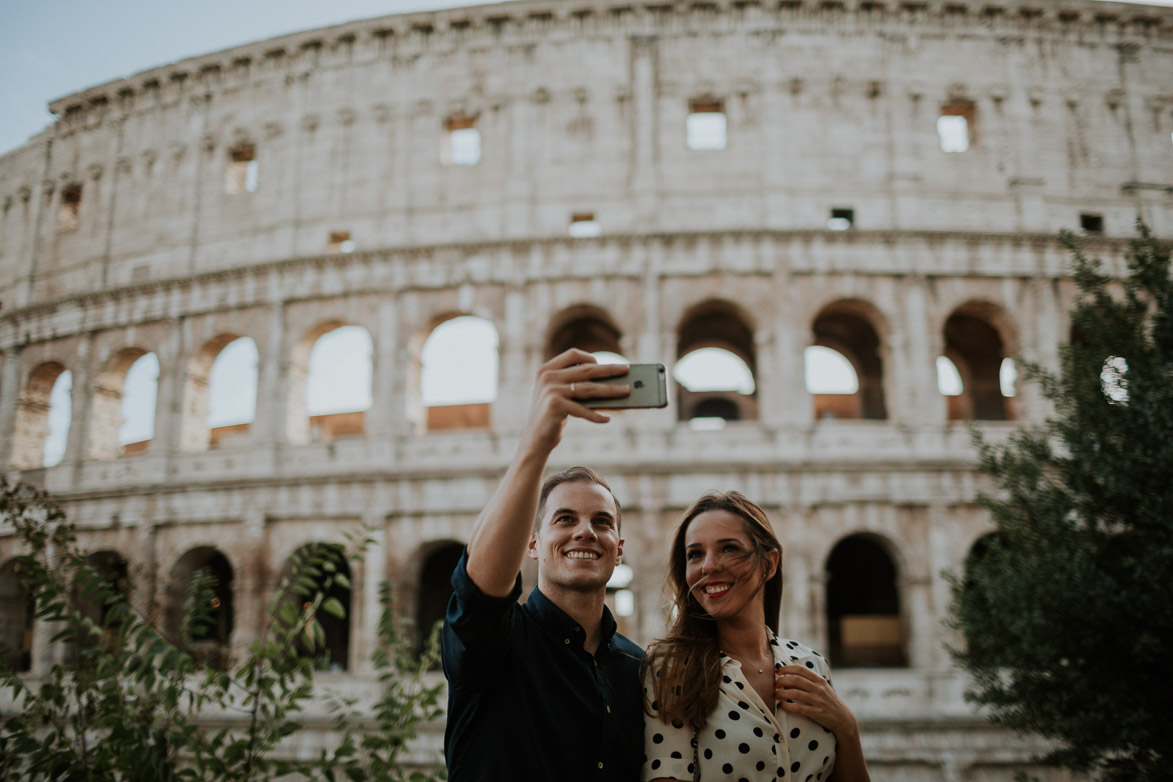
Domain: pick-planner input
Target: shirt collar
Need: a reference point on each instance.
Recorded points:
(560, 623)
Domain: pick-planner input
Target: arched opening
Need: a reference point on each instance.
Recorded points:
(210, 630)
(978, 354)
(220, 393)
(458, 373)
(17, 611)
(716, 366)
(122, 420)
(43, 416)
(325, 565)
(846, 327)
(586, 328)
(435, 587)
(338, 384)
(232, 392)
(832, 383)
(864, 623)
(984, 554)
(95, 598)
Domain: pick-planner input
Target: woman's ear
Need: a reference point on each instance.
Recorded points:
(770, 566)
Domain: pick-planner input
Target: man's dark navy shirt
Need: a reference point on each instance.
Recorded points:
(526, 702)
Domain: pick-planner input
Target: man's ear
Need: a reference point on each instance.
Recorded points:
(531, 548)
(619, 551)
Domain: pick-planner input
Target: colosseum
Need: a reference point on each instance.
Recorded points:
(872, 186)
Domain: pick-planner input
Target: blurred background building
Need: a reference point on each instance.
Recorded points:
(279, 294)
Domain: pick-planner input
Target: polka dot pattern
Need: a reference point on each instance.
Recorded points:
(743, 739)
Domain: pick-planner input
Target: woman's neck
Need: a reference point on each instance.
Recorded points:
(747, 641)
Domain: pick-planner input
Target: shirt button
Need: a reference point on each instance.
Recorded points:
(608, 709)
(600, 764)
(566, 641)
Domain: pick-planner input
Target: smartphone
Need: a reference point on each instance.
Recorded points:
(649, 388)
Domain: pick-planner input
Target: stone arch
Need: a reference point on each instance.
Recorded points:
(434, 587)
(853, 328)
(470, 406)
(210, 641)
(17, 613)
(334, 656)
(303, 425)
(977, 338)
(865, 624)
(585, 327)
(106, 406)
(195, 432)
(728, 328)
(31, 429)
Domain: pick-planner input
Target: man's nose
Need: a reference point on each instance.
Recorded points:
(585, 530)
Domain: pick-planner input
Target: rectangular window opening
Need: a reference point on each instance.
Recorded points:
(955, 126)
(241, 175)
(705, 128)
(1091, 224)
(462, 142)
(340, 242)
(841, 219)
(69, 214)
(583, 225)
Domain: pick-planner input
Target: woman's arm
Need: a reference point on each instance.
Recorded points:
(800, 690)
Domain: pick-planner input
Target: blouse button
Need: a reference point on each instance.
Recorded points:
(566, 641)
(600, 764)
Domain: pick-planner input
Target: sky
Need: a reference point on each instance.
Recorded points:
(53, 48)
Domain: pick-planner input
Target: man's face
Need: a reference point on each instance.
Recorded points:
(577, 543)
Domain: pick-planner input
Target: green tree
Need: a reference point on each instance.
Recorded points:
(129, 703)
(1067, 607)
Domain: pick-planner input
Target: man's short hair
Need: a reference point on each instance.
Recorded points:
(573, 475)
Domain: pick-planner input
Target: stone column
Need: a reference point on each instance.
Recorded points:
(364, 604)
(9, 395)
(920, 620)
(911, 382)
(272, 389)
(169, 396)
(386, 419)
(790, 404)
(79, 425)
(519, 357)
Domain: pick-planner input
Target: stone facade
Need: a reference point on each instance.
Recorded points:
(282, 189)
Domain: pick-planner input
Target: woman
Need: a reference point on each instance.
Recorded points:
(727, 698)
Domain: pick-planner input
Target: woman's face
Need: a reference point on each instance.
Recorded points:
(721, 570)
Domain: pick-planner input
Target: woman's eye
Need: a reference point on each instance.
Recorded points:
(692, 555)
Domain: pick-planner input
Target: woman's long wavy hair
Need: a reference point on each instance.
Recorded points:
(685, 664)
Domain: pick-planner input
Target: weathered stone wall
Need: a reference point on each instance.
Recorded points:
(581, 108)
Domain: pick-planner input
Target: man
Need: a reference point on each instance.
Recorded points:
(546, 691)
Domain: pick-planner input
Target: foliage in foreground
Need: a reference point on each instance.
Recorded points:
(1067, 609)
(129, 703)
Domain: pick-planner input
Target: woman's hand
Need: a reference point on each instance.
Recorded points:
(799, 690)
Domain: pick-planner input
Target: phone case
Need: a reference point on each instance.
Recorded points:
(649, 388)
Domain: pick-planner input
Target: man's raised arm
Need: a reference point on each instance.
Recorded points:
(497, 546)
